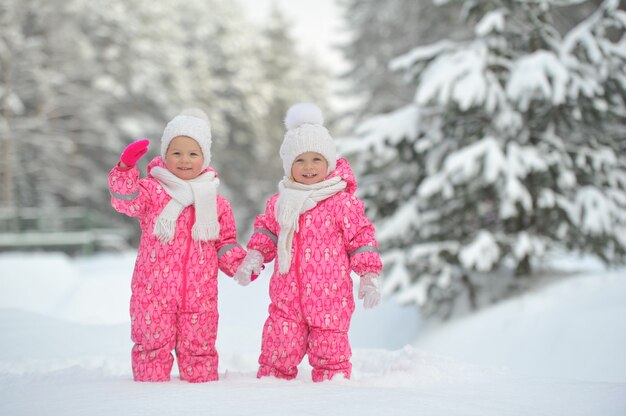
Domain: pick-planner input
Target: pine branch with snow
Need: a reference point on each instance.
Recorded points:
(514, 146)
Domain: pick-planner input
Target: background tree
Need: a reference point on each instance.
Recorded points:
(45, 70)
(379, 34)
(289, 76)
(80, 80)
(513, 146)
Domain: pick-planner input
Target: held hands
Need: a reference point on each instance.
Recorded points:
(250, 268)
(134, 152)
(369, 290)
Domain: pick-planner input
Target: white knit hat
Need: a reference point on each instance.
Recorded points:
(306, 133)
(193, 123)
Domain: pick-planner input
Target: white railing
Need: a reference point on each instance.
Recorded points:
(72, 229)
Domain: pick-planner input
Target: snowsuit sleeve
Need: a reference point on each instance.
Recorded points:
(265, 234)
(359, 239)
(128, 194)
(229, 253)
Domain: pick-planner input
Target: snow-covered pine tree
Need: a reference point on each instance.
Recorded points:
(377, 35)
(514, 145)
(45, 70)
(12, 42)
(133, 89)
(79, 80)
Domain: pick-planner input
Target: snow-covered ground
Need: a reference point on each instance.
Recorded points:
(561, 350)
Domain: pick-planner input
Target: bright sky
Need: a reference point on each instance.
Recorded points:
(317, 23)
(317, 26)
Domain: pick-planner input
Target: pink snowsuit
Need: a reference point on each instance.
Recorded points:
(312, 304)
(174, 285)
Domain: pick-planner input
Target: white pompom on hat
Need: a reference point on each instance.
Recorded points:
(193, 123)
(306, 133)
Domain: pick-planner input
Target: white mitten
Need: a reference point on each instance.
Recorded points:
(251, 264)
(369, 290)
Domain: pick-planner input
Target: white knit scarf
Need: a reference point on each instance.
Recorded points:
(201, 192)
(296, 198)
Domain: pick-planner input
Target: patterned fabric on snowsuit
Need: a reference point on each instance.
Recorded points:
(312, 304)
(174, 286)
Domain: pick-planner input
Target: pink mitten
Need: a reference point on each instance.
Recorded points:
(134, 152)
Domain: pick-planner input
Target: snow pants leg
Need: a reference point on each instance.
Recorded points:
(283, 345)
(195, 348)
(154, 335)
(286, 340)
(329, 353)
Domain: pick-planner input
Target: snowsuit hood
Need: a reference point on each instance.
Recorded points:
(344, 171)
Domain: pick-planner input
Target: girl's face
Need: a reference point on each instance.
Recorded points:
(184, 158)
(309, 168)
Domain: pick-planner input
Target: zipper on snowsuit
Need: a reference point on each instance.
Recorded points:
(296, 251)
(183, 302)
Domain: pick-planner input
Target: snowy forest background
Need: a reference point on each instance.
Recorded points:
(484, 135)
